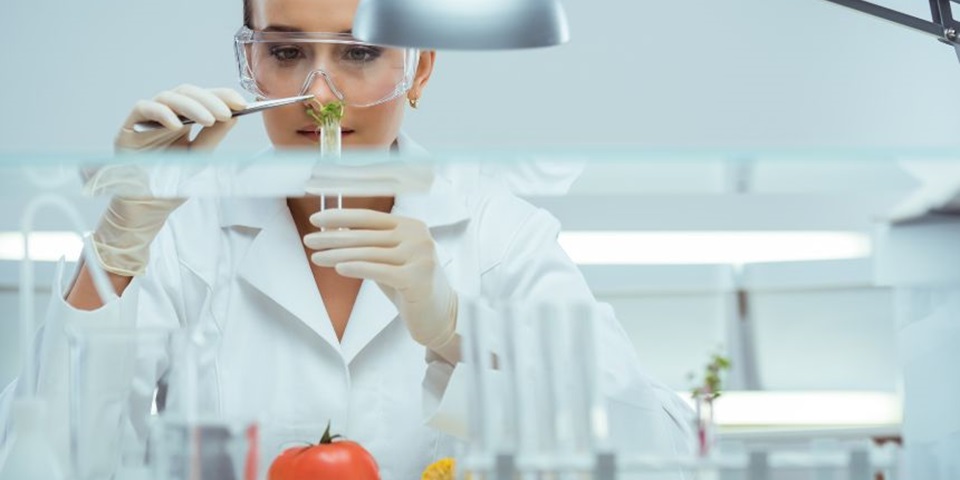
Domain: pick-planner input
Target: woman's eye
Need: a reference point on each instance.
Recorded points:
(361, 54)
(285, 54)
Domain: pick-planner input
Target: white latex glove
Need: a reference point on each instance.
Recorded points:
(122, 239)
(400, 255)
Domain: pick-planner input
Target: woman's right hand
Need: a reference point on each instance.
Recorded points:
(211, 108)
(126, 230)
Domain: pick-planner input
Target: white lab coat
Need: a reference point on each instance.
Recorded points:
(238, 264)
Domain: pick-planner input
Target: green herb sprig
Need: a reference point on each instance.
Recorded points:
(324, 115)
(712, 382)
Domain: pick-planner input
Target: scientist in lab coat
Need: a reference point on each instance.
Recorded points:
(347, 315)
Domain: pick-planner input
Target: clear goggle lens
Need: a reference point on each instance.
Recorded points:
(282, 64)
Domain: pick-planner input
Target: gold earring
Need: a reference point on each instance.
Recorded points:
(414, 102)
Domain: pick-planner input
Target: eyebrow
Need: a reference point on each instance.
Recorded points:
(281, 28)
(291, 29)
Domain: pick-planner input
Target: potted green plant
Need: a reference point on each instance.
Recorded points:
(704, 394)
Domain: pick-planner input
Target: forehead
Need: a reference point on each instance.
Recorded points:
(306, 15)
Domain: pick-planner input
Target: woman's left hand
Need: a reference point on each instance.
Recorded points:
(400, 255)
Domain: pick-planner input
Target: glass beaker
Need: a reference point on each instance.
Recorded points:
(191, 438)
(204, 448)
(112, 375)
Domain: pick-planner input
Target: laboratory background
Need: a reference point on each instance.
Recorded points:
(771, 183)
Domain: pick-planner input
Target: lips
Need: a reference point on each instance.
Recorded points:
(313, 135)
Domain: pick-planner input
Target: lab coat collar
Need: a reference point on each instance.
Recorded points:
(442, 206)
(278, 241)
(276, 264)
(406, 146)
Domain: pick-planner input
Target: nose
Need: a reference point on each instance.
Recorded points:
(319, 84)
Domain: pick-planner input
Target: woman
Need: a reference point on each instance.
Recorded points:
(349, 315)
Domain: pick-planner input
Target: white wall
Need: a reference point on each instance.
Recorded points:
(842, 339)
(82, 65)
(736, 73)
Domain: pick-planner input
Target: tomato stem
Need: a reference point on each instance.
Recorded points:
(327, 438)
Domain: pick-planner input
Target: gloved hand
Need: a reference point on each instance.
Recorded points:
(122, 239)
(399, 254)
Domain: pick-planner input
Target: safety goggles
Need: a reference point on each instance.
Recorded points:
(287, 64)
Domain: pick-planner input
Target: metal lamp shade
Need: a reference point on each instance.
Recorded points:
(462, 24)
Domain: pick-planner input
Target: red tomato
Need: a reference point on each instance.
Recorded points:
(328, 460)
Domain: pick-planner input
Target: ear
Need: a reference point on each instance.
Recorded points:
(422, 77)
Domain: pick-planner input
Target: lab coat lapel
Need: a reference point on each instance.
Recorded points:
(276, 265)
(374, 311)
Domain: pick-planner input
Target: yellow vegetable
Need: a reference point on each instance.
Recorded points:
(443, 469)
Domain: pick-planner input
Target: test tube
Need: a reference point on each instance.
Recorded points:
(580, 420)
(536, 410)
(483, 412)
(331, 147)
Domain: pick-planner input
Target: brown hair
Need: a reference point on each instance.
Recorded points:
(247, 20)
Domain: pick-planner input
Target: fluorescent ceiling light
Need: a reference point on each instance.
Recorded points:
(811, 409)
(657, 248)
(44, 246)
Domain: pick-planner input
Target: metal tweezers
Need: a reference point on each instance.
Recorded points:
(254, 107)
